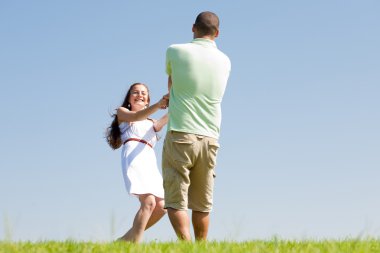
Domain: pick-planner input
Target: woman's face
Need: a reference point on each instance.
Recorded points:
(138, 97)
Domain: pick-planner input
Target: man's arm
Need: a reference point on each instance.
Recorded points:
(169, 83)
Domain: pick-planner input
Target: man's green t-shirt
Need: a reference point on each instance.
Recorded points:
(199, 72)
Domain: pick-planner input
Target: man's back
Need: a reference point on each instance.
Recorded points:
(199, 73)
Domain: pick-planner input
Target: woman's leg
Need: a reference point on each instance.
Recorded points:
(157, 214)
(143, 215)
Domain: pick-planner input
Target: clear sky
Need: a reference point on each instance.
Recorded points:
(300, 140)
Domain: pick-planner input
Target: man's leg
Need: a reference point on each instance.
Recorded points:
(201, 222)
(201, 189)
(177, 156)
(180, 222)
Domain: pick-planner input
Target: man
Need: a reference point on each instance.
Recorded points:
(198, 74)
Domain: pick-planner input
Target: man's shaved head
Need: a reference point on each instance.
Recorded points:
(207, 23)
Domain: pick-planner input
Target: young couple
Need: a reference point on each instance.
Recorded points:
(198, 74)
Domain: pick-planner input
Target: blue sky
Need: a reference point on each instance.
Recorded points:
(300, 141)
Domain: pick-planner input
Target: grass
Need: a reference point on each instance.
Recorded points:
(271, 246)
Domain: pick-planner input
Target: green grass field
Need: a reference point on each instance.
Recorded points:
(272, 246)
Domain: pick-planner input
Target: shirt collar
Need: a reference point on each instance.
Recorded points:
(204, 42)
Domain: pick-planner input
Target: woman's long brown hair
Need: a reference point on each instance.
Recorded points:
(113, 134)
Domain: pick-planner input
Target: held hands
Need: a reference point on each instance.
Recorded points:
(164, 101)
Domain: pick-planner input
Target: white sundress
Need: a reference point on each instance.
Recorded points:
(138, 159)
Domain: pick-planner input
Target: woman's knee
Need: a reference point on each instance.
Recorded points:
(148, 202)
(160, 204)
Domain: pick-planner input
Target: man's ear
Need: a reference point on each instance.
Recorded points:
(216, 33)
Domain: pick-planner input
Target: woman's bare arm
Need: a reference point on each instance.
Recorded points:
(125, 115)
(159, 124)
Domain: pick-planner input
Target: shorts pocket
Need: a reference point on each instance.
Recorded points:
(213, 147)
(181, 148)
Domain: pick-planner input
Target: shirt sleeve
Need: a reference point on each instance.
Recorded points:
(168, 63)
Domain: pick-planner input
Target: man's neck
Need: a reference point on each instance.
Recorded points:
(197, 35)
(208, 37)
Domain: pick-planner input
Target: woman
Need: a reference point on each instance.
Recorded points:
(137, 134)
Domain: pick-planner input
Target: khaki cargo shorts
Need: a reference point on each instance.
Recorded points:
(188, 162)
